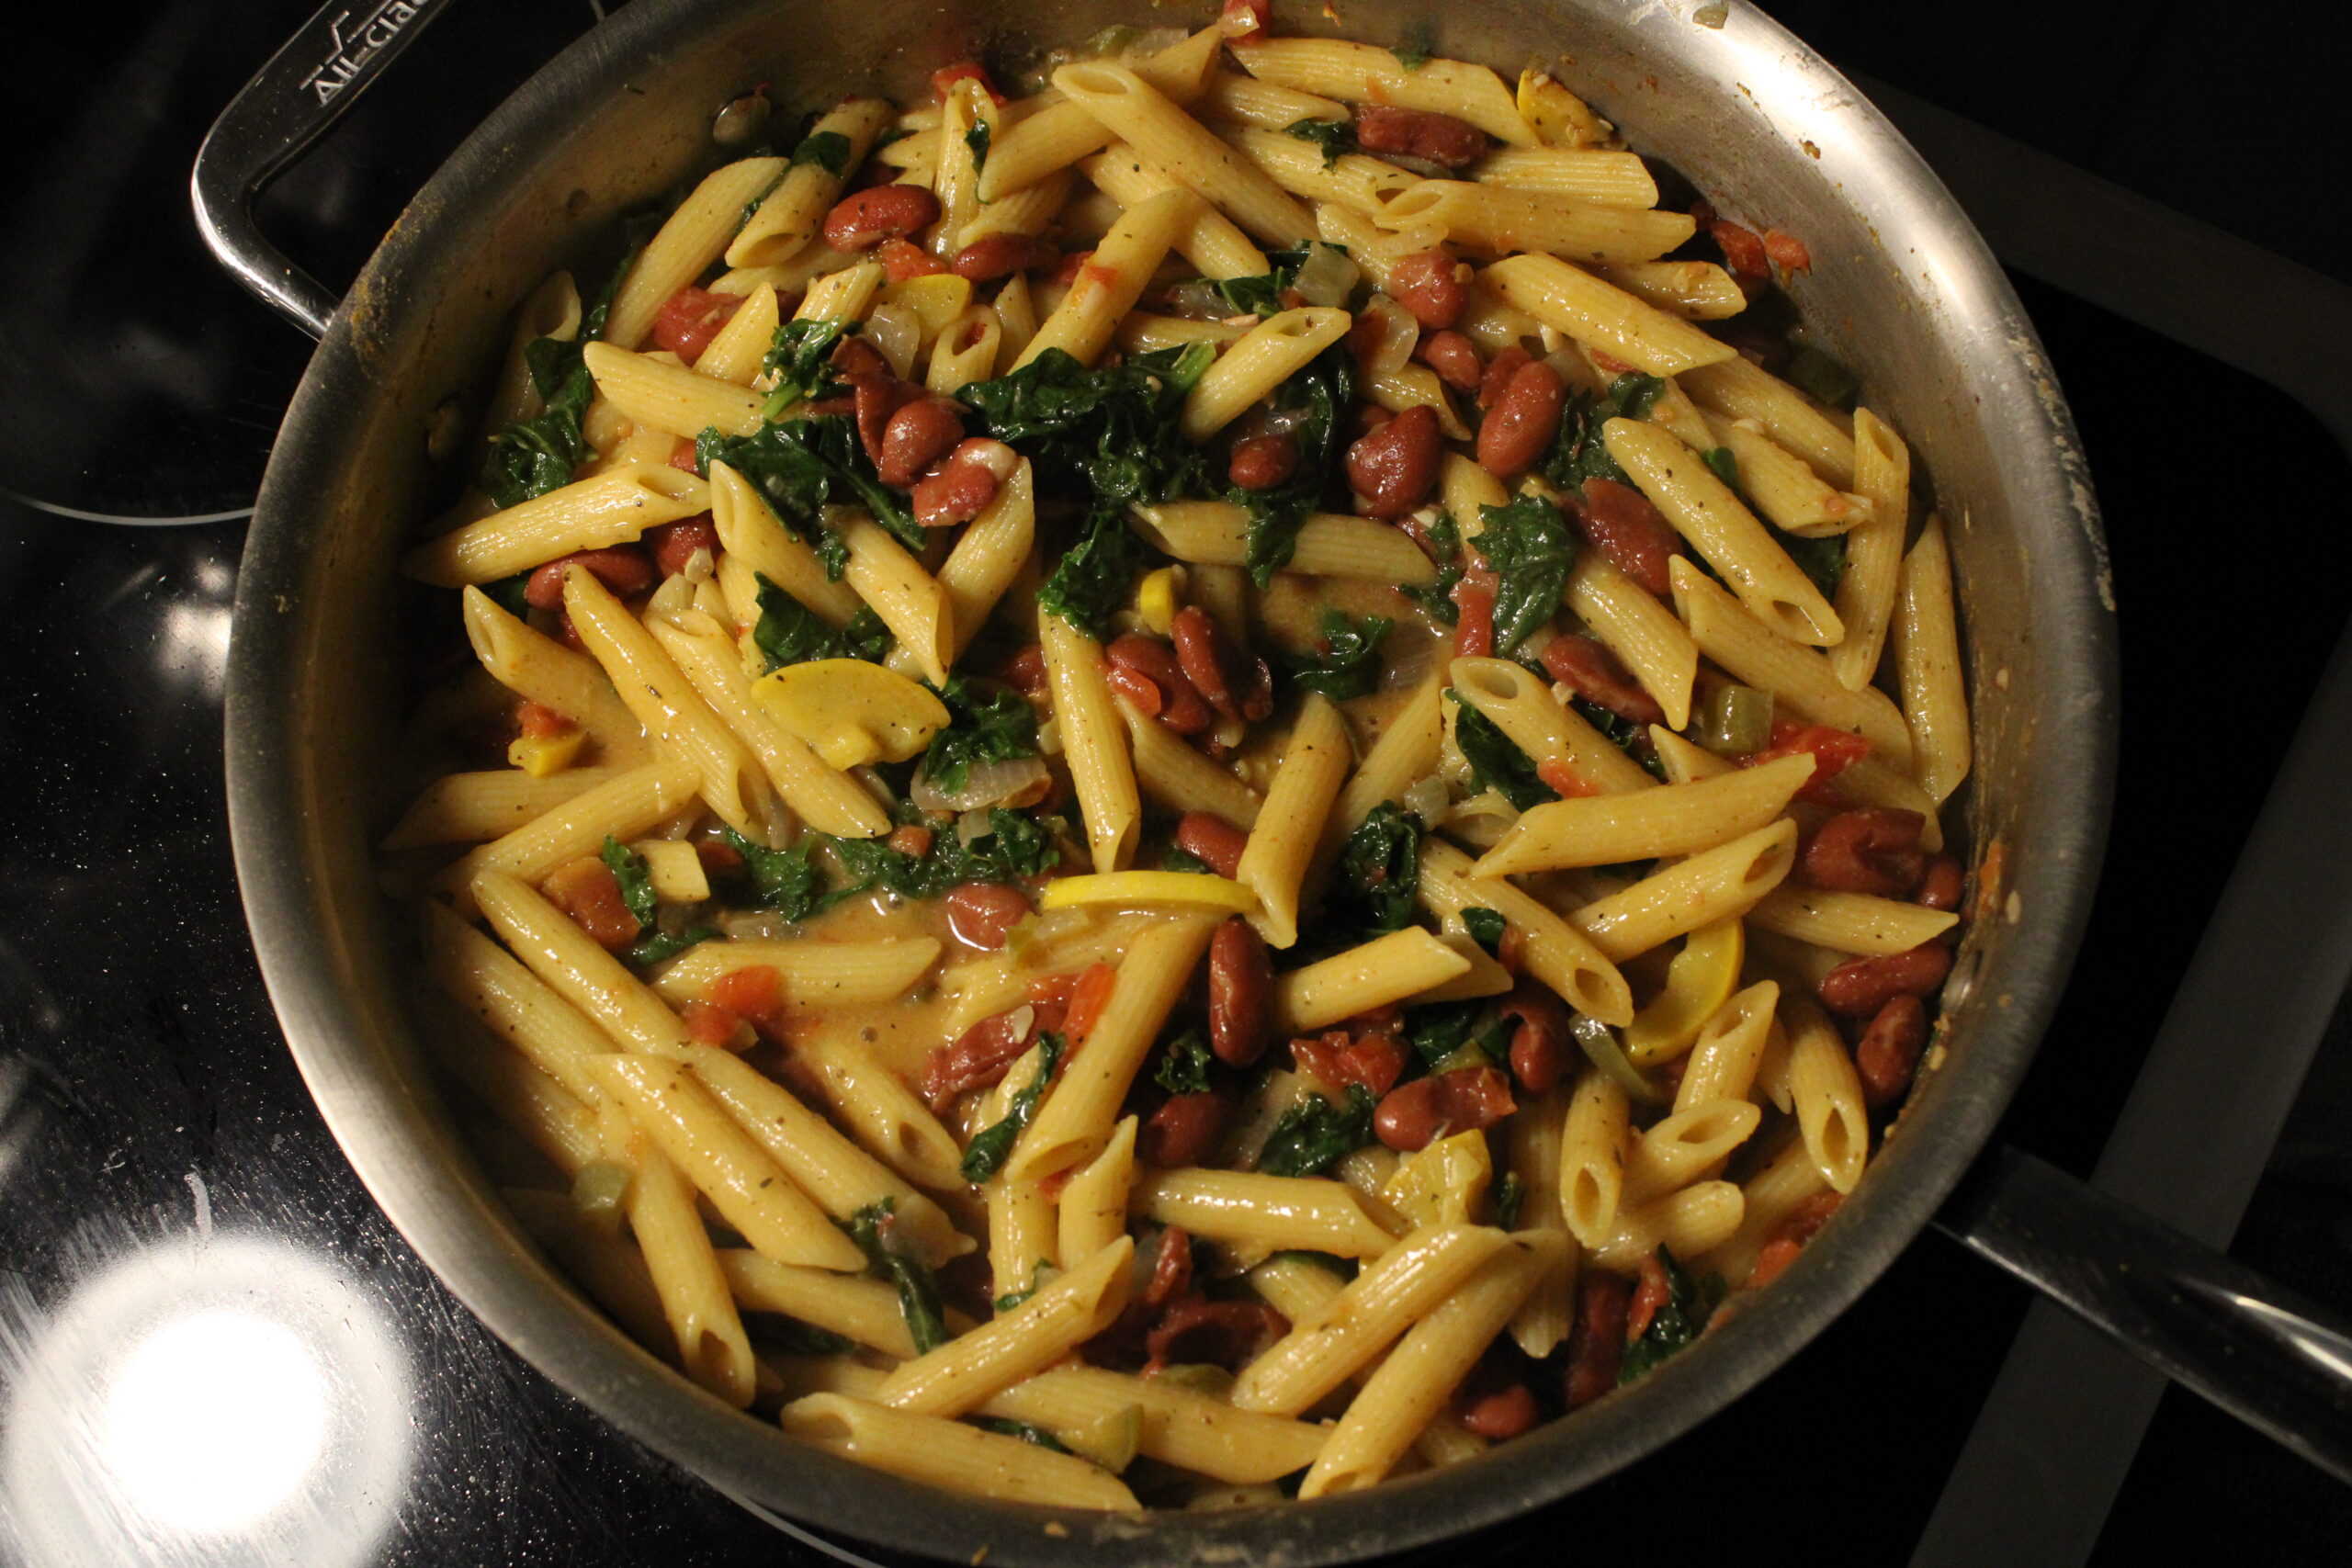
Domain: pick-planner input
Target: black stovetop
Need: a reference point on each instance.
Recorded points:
(214, 1349)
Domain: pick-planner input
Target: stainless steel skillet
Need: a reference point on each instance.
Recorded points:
(1902, 291)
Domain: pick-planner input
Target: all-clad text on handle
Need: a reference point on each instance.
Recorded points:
(290, 104)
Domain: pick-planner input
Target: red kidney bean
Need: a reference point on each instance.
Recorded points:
(877, 397)
(1941, 886)
(918, 435)
(1420, 133)
(1589, 667)
(980, 1057)
(1196, 1331)
(1138, 688)
(1183, 1131)
(1237, 688)
(1430, 285)
(1596, 1344)
(1467, 1100)
(1502, 1414)
(1001, 255)
(1519, 427)
(1499, 372)
(627, 569)
(1874, 849)
(855, 356)
(1210, 840)
(1631, 533)
(863, 221)
(674, 544)
(1888, 1054)
(1261, 462)
(1393, 468)
(955, 493)
(980, 913)
(1172, 701)
(1860, 986)
(1539, 1045)
(1454, 358)
(1241, 994)
(1024, 671)
(1171, 1269)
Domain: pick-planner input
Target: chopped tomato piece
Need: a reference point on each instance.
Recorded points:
(683, 456)
(691, 318)
(587, 890)
(1744, 254)
(539, 721)
(1833, 750)
(902, 259)
(1474, 604)
(1651, 1291)
(1242, 17)
(754, 993)
(1569, 783)
(1609, 363)
(1787, 251)
(946, 76)
(1337, 1059)
(711, 1025)
(1088, 997)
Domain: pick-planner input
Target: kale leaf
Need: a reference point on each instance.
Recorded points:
(1090, 582)
(1185, 1066)
(788, 632)
(783, 880)
(828, 150)
(1672, 1327)
(803, 465)
(1485, 926)
(1724, 463)
(1041, 1274)
(976, 138)
(1510, 1195)
(1316, 1134)
(1495, 760)
(1622, 733)
(1336, 137)
(989, 724)
(1578, 452)
(800, 359)
(534, 455)
(629, 868)
(1823, 560)
(1440, 1030)
(1325, 389)
(1261, 293)
(1177, 858)
(1380, 867)
(1012, 849)
(1005, 1425)
(988, 1150)
(1114, 431)
(875, 1228)
(1349, 663)
(1528, 547)
(1445, 539)
(656, 946)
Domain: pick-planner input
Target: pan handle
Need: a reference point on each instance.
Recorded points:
(2277, 1361)
(290, 104)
